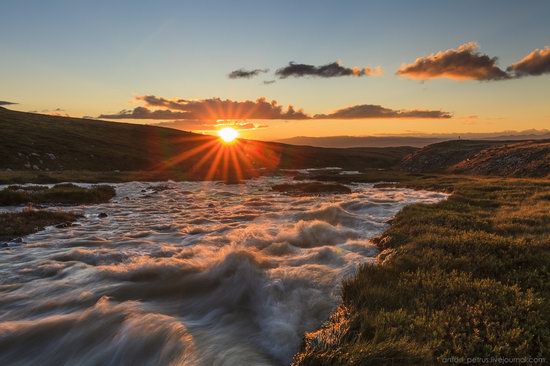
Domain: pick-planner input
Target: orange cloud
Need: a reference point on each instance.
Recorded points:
(208, 109)
(198, 114)
(535, 63)
(462, 63)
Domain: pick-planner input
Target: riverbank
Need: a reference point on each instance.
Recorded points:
(16, 224)
(466, 277)
(65, 194)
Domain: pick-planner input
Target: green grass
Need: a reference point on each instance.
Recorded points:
(467, 277)
(17, 224)
(59, 194)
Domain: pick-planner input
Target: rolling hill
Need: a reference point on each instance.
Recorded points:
(524, 159)
(36, 142)
(499, 158)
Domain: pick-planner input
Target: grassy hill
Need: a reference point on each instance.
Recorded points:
(439, 157)
(40, 143)
(524, 159)
(498, 158)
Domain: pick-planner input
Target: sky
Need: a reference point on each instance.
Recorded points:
(421, 67)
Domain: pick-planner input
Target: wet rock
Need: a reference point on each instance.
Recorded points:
(233, 181)
(102, 215)
(159, 188)
(311, 188)
(4, 245)
(63, 225)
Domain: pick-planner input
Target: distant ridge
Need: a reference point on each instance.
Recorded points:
(356, 141)
(415, 141)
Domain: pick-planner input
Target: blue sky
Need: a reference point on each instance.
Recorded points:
(93, 57)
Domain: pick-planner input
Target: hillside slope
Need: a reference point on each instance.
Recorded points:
(524, 159)
(499, 158)
(36, 142)
(439, 157)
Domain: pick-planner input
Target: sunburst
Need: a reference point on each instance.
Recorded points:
(228, 134)
(225, 157)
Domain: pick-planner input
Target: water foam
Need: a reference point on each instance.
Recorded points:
(198, 273)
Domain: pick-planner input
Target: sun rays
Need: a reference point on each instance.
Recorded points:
(225, 157)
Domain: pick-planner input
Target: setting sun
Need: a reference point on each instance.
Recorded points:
(228, 134)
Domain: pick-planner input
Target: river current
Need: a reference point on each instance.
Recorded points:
(188, 273)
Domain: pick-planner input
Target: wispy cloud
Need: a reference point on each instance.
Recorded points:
(537, 62)
(462, 63)
(3, 102)
(366, 111)
(333, 69)
(146, 113)
(60, 112)
(246, 74)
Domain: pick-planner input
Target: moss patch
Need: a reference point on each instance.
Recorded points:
(60, 194)
(17, 224)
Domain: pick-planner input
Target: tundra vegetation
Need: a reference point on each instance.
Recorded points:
(66, 193)
(29, 220)
(467, 277)
(16, 224)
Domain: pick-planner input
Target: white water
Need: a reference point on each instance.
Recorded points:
(199, 273)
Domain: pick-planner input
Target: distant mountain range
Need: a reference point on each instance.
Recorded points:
(411, 140)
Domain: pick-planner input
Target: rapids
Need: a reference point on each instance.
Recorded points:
(198, 273)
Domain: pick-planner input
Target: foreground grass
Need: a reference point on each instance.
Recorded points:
(61, 193)
(17, 224)
(467, 277)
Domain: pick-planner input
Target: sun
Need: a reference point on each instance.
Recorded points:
(228, 134)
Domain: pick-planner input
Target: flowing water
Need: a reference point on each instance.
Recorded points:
(188, 273)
